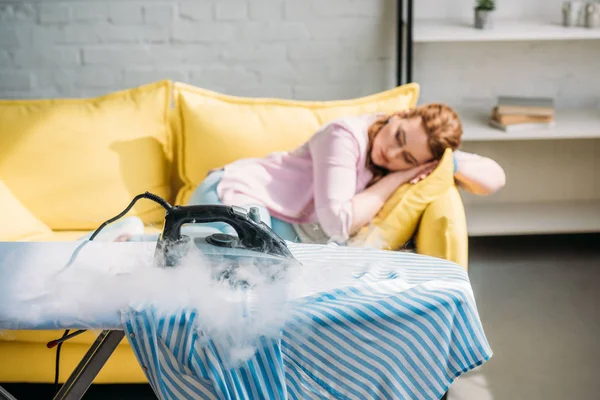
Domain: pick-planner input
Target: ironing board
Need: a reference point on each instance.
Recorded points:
(385, 325)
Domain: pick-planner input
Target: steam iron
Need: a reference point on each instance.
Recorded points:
(256, 243)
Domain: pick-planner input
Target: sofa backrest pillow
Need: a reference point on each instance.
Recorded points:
(74, 163)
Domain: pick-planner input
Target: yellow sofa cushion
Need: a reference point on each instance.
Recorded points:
(68, 236)
(27, 362)
(398, 219)
(18, 224)
(217, 129)
(74, 163)
(442, 232)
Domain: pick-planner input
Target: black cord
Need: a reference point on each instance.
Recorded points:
(147, 195)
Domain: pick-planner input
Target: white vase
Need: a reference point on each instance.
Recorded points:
(573, 13)
(592, 15)
(483, 19)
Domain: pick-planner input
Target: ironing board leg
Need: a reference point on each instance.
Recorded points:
(4, 395)
(89, 366)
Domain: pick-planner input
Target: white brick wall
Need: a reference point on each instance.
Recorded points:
(247, 47)
(304, 49)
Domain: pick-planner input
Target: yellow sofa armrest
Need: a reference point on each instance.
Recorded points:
(442, 231)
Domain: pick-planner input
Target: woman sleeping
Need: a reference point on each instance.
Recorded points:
(338, 180)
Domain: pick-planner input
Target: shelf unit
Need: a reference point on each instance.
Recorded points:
(570, 124)
(496, 219)
(431, 31)
(511, 215)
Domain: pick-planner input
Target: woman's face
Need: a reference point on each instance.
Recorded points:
(401, 144)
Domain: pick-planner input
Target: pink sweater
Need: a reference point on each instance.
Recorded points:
(314, 183)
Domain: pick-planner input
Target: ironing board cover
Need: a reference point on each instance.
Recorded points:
(404, 330)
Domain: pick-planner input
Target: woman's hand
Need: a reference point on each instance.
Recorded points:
(424, 172)
(415, 174)
(366, 204)
(478, 175)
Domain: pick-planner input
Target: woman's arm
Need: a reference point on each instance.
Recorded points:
(340, 210)
(478, 175)
(366, 204)
(335, 154)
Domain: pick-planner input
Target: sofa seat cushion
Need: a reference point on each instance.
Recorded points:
(216, 129)
(28, 362)
(65, 236)
(45, 336)
(18, 223)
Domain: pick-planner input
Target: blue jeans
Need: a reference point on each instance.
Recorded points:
(206, 193)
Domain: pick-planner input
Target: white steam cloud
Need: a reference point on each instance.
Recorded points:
(36, 290)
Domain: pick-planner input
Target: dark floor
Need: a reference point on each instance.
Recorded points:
(539, 301)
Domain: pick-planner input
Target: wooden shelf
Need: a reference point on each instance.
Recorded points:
(489, 219)
(428, 31)
(570, 124)
(514, 213)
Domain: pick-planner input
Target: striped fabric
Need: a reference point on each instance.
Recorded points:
(404, 330)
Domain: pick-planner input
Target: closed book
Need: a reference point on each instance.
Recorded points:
(512, 119)
(534, 106)
(522, 127)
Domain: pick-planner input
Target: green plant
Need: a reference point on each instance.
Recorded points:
(486, 5)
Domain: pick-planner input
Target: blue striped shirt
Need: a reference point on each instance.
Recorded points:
(404, 330)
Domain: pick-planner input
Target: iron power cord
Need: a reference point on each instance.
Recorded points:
(147, 195)
(66, 336)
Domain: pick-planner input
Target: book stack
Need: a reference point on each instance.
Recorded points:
(513, 113)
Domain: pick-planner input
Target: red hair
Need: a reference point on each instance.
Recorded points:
(441, 123)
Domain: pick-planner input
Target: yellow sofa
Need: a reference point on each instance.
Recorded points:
(67, 165)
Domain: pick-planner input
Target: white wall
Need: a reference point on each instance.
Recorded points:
(292, 49)
(477, 72)
(304, 49)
